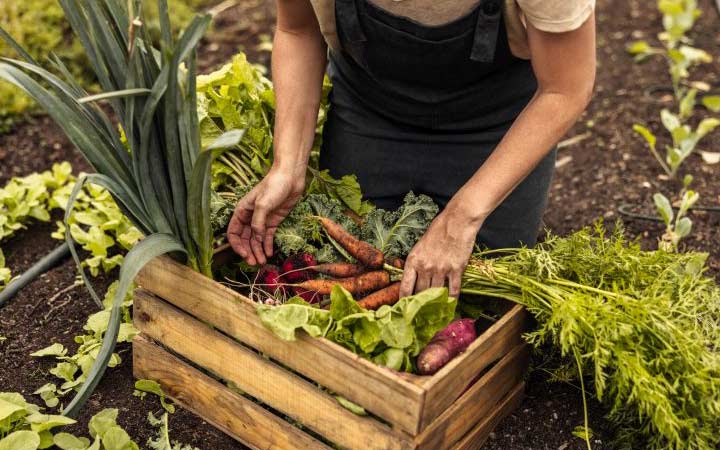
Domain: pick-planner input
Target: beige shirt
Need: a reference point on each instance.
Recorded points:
(555, 16)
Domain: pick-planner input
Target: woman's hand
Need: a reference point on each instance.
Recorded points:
(258, 214)
(440, 256)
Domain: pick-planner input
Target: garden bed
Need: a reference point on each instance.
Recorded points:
(607, 169)
(206, 324)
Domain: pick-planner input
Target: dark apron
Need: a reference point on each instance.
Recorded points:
(418, 108)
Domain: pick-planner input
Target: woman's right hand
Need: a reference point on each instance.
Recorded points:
(258, 214)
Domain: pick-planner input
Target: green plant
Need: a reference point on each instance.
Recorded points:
(684, 139)
(99, 226)
(24, 427)
(41, 28)
(163, 184)
(96, 222)
(162, 439)
(678, 17)
(643, 325)
(143, 387)
(5, 274)
(73, 370)
(238, 96)
(30, 197)
(677, 225)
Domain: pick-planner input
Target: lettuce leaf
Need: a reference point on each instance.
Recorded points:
(346, 190)
(392, 336)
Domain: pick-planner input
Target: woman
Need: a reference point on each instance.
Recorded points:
(457, 99)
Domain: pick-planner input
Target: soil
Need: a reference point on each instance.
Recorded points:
(609, 168)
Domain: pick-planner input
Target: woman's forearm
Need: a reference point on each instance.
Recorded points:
(564, 64)
(298, 67)
(528, 141)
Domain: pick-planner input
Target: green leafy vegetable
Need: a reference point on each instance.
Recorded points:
(396, 232)
(391, 336)
(162, 440)
(238, 96)
(346, 190)
(73, 370)
(153, 387)
(301, 232)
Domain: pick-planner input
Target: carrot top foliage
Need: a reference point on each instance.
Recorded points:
(644, 326)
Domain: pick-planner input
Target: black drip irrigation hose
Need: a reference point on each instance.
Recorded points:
(46, 263)
(624, 210)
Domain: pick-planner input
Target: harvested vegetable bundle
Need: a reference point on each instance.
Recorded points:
(644, 325)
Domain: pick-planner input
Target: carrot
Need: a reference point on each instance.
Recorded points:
(387, 296)
(366, 282)
(362, 251)
(340, 269)
(398, 263)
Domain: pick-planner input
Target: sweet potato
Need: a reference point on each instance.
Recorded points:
(446, 345)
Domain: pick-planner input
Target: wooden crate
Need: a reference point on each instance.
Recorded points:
(198, 335)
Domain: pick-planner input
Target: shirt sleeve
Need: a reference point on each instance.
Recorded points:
(556, 16)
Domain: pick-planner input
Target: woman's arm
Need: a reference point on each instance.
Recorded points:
(298, 67)
(564, 65)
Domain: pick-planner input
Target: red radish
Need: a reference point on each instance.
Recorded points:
(293, 267)
(446, 345)
(308, 296)
(269, 279)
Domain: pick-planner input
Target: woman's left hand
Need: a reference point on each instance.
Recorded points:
(440, 256)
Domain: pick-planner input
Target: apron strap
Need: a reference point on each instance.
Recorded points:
(486, 31)
(347, 15)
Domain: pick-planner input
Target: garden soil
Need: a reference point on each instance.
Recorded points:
(596, 175)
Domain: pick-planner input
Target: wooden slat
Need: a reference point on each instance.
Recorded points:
(261, 378)
(475, 439)
(378, 390)
(445, 387)
(235, 415)
(477, 402)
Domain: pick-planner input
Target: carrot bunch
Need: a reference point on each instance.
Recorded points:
(366, 277)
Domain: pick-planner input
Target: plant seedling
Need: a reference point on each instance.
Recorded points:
(678, 226)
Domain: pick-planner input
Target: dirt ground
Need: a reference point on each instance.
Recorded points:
(609, 168)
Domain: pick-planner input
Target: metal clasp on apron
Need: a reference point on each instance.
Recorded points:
(486, 31)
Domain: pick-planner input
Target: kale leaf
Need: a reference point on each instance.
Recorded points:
(395, 232)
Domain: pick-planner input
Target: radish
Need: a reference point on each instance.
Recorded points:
(446, 345)
(270, 280)
(293, 267)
